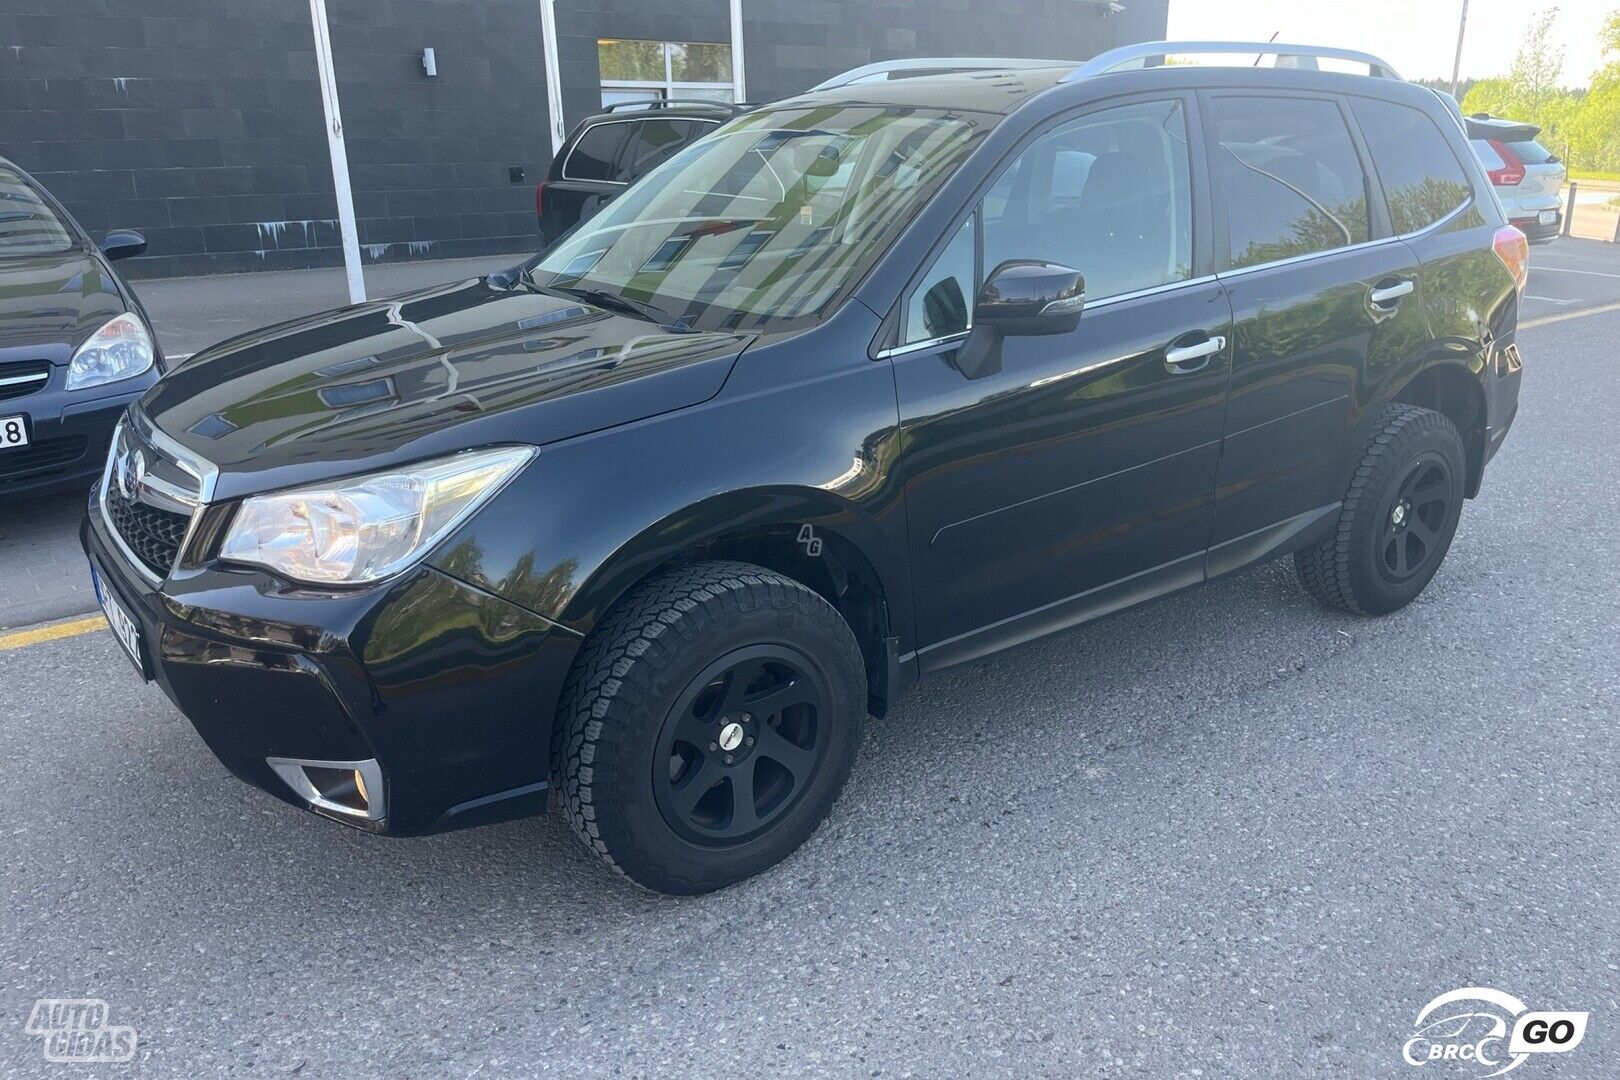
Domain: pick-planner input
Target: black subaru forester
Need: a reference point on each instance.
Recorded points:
(871, 382)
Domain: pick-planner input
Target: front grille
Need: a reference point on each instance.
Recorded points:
(17, 380)
(152, 534)
(41, 456)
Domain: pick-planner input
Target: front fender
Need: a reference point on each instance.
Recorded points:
(805, 433)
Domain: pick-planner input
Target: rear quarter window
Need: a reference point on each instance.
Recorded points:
(1421, 177)
(593, 155)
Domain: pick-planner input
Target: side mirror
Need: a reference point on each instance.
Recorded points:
(1027, 296)
(123, 244)
(1021, 297)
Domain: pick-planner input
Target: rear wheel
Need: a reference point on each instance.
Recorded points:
(709, 724)
(1398, 518)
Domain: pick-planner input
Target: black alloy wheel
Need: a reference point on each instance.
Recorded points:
(742, 742)
(1417, 515)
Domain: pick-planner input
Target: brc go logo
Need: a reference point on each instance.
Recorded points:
(1470, 1027)
(76, 1029)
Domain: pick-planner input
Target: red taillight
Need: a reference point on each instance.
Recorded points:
(539, 199)
(1513, 249)
(1512, 170)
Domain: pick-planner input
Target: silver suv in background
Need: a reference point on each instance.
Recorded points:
(1527, 176)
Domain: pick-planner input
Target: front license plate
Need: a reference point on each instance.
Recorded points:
(124, 628)
(1547, 217)
(13, 432)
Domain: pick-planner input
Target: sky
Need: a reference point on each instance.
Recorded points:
(1417, 37)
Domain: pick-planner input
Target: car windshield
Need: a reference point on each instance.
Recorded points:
(28, 225)
(766, 221)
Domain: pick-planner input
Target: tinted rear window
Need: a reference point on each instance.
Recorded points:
(28, 225)
(1293, 182)
(1531, 152)
(592, 157)
(1420, 175)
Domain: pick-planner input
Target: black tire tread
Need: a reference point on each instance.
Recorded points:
(1324, 570)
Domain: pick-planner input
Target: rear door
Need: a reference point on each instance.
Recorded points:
(1467, 296)
(1322, 303)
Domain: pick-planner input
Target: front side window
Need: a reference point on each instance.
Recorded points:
(768, 219)
(28, 225)
(1421, 178)
(1294, 185)
(1109, 194)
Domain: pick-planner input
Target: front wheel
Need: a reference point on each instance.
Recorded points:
(1397, 520)
(709, 724)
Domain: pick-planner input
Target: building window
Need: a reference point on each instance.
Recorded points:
(663, 70)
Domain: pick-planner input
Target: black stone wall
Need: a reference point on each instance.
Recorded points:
(199, 121)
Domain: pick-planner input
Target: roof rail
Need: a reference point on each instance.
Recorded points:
(884, 70)
(1305, 56)
(676, 103)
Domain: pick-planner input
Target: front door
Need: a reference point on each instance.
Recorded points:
(1080, 474)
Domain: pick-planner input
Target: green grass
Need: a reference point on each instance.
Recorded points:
(1589, 174)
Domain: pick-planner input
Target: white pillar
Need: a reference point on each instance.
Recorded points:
(548, 44)
(739, 88)
(339, 155)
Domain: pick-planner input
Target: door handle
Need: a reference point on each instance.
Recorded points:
(1388, 294)
(1183, 360)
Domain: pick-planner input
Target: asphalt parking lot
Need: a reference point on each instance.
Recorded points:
(1225, 835)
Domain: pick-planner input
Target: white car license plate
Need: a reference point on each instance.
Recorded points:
(1547, 217)
(124, 628)
(13, 432)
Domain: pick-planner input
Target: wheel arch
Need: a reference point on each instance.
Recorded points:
(1453, 389)
(809, 535)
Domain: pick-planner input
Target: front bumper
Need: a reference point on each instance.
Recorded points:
(449, 689)
(67, 438)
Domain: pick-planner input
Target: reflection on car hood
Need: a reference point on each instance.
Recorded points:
(50, 303)
(432, 372)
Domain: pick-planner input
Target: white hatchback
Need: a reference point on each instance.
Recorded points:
(1527, 176)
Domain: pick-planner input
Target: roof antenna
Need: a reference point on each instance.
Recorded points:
(1269, 40)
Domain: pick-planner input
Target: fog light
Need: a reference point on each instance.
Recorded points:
(351, 788)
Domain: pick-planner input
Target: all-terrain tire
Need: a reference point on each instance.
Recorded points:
(1370, 564)
(649, 652)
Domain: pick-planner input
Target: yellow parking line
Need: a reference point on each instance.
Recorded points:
(1546, 320)
(19, 639)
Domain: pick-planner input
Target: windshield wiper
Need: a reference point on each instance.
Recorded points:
(627, 306)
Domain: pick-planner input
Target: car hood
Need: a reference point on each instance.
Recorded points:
(50, 303)
(472, 363)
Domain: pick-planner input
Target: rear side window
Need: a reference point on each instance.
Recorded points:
(592, 157)
(652, 141)
(1421, 178)
(1294, 185)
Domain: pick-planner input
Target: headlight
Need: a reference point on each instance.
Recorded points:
(121, 348)
(368, 527)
